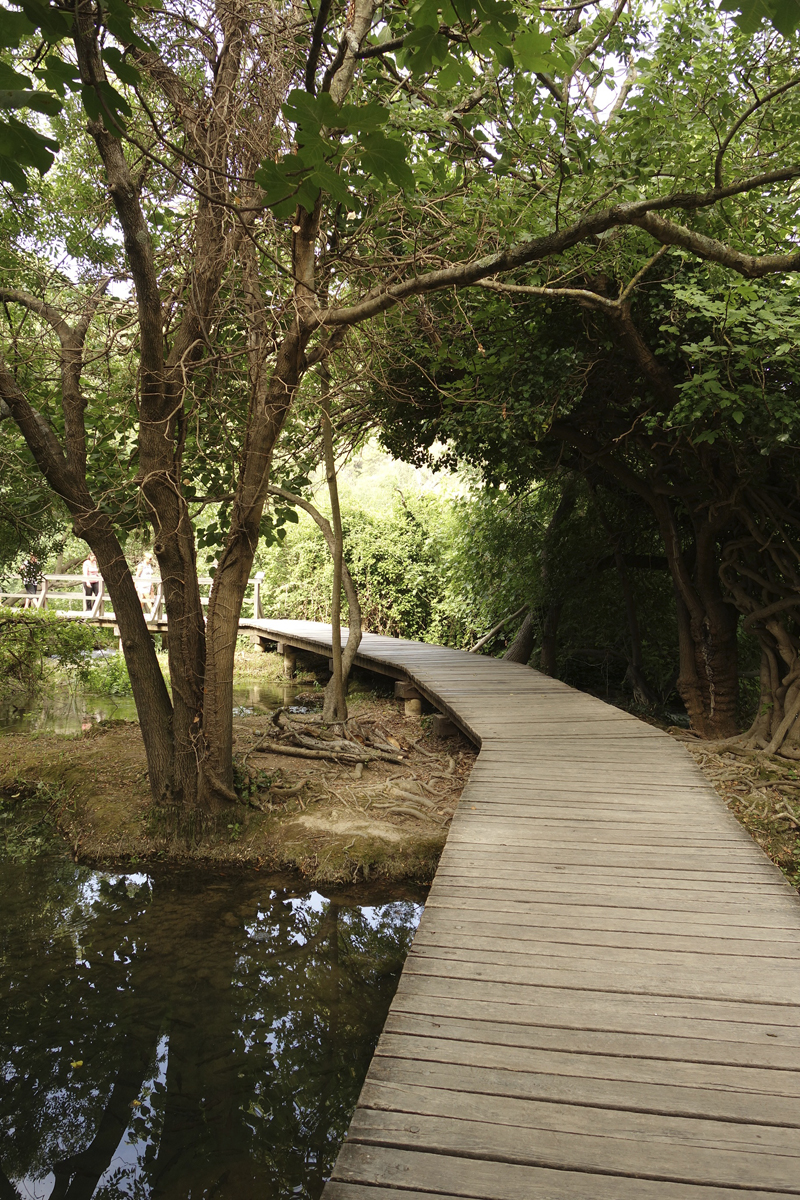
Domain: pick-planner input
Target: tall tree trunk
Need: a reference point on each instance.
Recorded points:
(548, 658)
(353, 605)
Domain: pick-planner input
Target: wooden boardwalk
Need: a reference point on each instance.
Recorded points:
(603, 998)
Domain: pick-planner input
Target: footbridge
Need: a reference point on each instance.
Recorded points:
(602, 1001)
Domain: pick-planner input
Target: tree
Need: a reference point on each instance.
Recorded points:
(406, 170)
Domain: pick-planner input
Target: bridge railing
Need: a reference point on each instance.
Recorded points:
(63, 594)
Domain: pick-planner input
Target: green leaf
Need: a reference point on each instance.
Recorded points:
(44, 102)
(13, 28)
(450, 75)
(385, 157)
(124, 70)
(312, 113)
(423, 48)
(119, 22)
(23, 147)
(9, 78)
(328, 180)
(59, 75)
(308, 193)
(91, 102)
(364, 118)
(104, 103)
(11, 172)
(783, 14)
(281, 182)
(54, 24)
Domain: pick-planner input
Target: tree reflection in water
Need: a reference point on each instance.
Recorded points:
(172, 1037)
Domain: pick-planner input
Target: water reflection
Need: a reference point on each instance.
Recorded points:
(66, 710)
(169, 1037)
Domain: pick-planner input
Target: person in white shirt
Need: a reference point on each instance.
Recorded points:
(91, 582)
(143, 579)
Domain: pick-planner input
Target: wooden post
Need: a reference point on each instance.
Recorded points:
(98, 602)
(258, 612)
(289, 659)
(42, 598)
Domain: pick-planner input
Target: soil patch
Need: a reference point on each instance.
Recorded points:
(334, 821)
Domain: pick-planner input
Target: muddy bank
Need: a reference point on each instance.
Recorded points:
(333, 822)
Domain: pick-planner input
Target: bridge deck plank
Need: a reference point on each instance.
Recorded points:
(603, 998)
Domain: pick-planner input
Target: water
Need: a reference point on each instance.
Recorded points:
(67, 710)
(183, 1036)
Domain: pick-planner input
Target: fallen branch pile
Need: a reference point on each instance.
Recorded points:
(428, 794)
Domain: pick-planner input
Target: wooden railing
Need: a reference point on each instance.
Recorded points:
(50, 595)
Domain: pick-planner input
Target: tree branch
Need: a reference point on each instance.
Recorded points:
(633, 213)
(778, 91)
(751, 266)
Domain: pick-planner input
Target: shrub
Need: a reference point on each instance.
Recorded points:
(33, 645)
(108, 677)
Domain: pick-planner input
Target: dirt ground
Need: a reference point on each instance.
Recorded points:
(334, 821)
(763, 793)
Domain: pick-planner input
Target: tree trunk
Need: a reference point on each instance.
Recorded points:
(548, 658)
(521, 648)
(708, 679)
(335, 704)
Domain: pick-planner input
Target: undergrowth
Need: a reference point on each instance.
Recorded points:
(29, 819)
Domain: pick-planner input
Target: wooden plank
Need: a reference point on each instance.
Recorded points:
(686, 899)
(677, 1089)
(373, 1172)
(542, 908)
(449, 1020)
(447, 925)
(508, 1062)
(555, 917)
(593, 1008)
(519, 869)
(536, 1133)
(646, 979)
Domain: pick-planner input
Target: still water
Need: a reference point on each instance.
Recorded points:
(65, 710)
(185, 1035)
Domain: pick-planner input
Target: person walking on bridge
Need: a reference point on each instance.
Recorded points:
(31, 574)
(143, 579)
(91, 582)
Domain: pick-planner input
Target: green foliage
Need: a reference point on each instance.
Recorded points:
(38, 24)
(28, 820)
(783, 14)
(32, 645)
(107, 677)
(447, 570)
(395, 559)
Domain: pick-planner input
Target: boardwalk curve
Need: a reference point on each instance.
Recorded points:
(603, 997)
